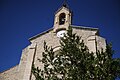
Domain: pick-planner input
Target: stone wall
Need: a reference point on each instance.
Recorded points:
(33, 52)
(10, 74)
(52, 40)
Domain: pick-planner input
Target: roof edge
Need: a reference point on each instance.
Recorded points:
(87, 28)
(62, 8)
(9, 69)
(73, 26)
(40, 34)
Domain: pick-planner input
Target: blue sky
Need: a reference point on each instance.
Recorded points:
(22, 19)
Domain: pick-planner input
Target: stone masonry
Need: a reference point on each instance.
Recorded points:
(31, 53)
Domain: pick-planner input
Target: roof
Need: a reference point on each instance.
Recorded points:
(73, 26)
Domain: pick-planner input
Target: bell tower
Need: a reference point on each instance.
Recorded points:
(63, 18)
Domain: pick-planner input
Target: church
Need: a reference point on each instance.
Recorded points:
(30, 55)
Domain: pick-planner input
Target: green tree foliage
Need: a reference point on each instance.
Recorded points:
(75, 62)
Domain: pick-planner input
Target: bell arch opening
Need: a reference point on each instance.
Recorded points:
(62, 19)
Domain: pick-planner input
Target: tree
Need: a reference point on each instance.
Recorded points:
(75, 62)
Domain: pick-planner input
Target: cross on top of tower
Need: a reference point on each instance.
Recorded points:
(65, 4)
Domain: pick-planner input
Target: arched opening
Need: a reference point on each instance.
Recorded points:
(62, 19)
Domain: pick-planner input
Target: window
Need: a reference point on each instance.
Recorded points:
(62, 19)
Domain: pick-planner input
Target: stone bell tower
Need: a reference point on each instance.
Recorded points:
(63, 18)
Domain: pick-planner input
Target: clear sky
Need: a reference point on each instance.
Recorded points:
(22, 19)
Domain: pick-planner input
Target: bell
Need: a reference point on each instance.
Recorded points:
(63, 19)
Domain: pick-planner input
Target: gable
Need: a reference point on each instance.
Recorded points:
(63, 8)
(96, 30)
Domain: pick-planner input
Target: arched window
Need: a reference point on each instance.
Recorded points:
(62, 18)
